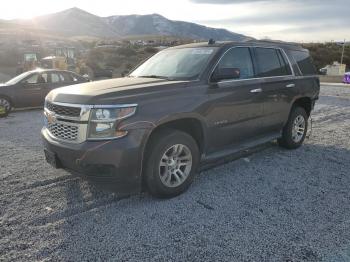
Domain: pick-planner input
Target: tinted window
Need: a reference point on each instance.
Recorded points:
(270, 62)
(44, 78)
(33, 79)
(66, 77)
(55, 78)
(240, 58)
(176, 63)
(284, 63)
(304, 62)
(18, 78)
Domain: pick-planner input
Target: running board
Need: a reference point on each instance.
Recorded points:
(237, 152)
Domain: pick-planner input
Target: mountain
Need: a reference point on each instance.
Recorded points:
(71, 22)
(76, 22)
(156, 24)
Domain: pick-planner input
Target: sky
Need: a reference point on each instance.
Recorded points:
(288, 20)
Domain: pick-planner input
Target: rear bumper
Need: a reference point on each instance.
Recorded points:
(118, 161)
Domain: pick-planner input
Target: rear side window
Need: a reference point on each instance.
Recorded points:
(304, 62)
(55, 78)
(270, 62)
(66, 77)
(238, 57)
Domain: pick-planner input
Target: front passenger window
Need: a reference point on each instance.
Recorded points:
(32, 79)
(239, 58)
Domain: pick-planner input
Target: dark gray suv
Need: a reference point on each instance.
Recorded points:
(184, 108)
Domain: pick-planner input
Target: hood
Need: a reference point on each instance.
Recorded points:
(108, 91)
(3, 84)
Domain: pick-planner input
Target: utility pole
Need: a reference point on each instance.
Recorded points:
(342, 53)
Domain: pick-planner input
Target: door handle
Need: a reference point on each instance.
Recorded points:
(290, 85)
(258, 90)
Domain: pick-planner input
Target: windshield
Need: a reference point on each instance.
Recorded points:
(176, 64)
(18, 78)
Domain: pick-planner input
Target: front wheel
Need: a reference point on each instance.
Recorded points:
(294, 132)
(171, 163)
(5, 107)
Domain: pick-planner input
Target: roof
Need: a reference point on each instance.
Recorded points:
(48, 70)
(265, 43)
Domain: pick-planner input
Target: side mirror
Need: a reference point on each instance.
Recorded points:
(225, 74)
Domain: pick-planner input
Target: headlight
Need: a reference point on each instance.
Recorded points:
(104, 121)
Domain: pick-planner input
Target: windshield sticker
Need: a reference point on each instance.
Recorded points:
(202, 51)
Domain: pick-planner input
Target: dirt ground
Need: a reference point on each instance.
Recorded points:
(274, 205)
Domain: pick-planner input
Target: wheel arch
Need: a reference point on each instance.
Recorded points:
(304, 102)
(8, 98)
(189, 124)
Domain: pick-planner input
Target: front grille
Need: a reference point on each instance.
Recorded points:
(63, 131)
(64, 110)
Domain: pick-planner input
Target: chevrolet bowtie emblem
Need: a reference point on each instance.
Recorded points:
(51, 118)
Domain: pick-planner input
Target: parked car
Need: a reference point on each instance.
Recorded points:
(183, 109)
(346, 79)
(30, 88)
(323, 71)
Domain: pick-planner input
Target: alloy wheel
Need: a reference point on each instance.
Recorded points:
(175, 165)
(5, 106)
(298, 128)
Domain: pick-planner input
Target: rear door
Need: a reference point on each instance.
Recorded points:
(278, 87)
(67, 79)
(235, 106)
(56, 80)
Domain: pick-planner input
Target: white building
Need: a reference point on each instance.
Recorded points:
(335, 69)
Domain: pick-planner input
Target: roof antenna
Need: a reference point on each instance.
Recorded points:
(211, 41)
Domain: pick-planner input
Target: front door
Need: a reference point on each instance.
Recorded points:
(235, 106)
(29, 92)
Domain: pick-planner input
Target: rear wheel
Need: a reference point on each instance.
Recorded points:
(172, 162)
(5, 106)
(294, 132)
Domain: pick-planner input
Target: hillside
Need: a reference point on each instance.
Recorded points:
(76, 22)
(70, 22)
(156, 24)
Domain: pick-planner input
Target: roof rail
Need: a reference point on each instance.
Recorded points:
(274, 42)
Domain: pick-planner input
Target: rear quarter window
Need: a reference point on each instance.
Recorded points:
(304, 62)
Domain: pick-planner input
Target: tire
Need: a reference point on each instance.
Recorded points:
(298, 120)
(172, 158)
(5, 106)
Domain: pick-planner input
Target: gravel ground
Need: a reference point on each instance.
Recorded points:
(274, 205)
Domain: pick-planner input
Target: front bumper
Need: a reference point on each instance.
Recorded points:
(118, 160)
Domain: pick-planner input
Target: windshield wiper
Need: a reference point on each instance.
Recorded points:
(155, 76)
